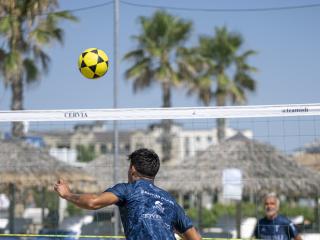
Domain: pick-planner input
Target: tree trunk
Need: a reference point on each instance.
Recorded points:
(238, 218)
(199, 211)
(17, 104)
(12, 196)
(317, 213)
(166, 124)
(43, 204)
(221, 122)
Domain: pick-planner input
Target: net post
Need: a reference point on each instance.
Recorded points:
(115, 105)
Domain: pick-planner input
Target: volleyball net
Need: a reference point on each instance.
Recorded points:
(218, 162)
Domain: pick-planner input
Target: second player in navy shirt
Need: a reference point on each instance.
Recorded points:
(274, 226)
(279, 228)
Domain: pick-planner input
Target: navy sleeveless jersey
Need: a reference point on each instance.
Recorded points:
(280, 228)
(148, 212)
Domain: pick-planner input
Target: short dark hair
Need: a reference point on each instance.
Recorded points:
(145, 161)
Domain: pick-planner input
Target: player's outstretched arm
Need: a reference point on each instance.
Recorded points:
(86, 201)
(191, 234)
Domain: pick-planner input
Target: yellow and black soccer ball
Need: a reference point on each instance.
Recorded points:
(93, 63)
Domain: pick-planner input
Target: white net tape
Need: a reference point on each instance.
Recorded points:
(162, 113)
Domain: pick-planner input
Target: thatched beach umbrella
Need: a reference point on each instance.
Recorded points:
(264, 169)
(309, 155)
(23, 166)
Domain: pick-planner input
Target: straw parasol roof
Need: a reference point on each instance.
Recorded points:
(264, 169)
(309, 160)
(23, 165)
(309, 155)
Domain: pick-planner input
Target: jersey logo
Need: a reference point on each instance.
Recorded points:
(158, 206)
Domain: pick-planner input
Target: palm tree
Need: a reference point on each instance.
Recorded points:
(217, 70)
(26, 26)
(155, 60)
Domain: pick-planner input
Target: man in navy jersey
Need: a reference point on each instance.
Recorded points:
(274, 226)
(147, 212)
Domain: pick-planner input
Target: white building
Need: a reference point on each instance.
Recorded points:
(185, 142)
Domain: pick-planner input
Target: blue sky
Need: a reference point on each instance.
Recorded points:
(287, 43)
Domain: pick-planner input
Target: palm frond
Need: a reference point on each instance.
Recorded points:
(31, 70)
(138, 68)
(245, 81)
(135, 55)
(237, 94)
(64, 15)
(5, 26)
(143, 81)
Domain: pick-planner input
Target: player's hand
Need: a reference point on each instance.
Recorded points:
(62, 188)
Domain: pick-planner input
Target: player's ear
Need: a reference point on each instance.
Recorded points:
(133, 171)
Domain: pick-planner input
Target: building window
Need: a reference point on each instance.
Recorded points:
(209, 139)
(103, 148)
(63, 146)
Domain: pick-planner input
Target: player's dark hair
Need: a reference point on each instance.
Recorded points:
(145, 161)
